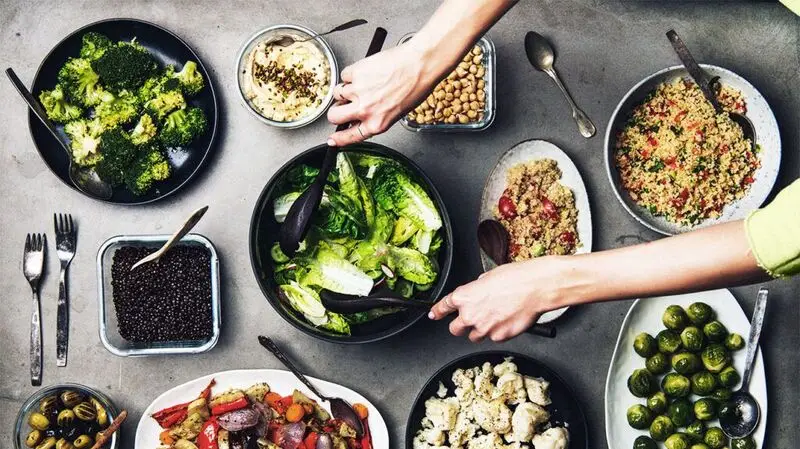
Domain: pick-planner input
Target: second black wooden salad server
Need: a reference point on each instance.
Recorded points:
(340, 408)
(298, 219)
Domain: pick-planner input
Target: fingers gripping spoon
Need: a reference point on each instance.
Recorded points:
(298, 219)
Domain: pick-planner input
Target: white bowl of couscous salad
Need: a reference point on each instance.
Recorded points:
(676, 165)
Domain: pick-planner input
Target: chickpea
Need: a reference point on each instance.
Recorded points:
(431, 101)
(473, 69)
(456, 102)
(481, 84)
(480, 72)
(457, 93)
(449, 88)
(470, 90)
(456, 85)
(477, 50)
(411, 116)
(467, 57)
(461, 72)
(477, 59)
(447, 112)
(464, 97)
(473, 97)
(439, 94)
(439, 106)
(472, 114)
(449, 96)
(474, 105)
(452, 76)
(471, 77)
(438, 115)
(463, 119)
(456, 108)
(481, 94)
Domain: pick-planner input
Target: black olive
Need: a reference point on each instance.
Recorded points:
(52, 432)
(72, 433)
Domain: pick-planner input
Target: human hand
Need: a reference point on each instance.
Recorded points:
(375, 92)
(505, 301)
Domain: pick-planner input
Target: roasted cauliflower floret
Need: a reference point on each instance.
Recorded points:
(492, 416)
(483, 382)
(538, 390)
(510, 388)
(553, 438)
(442, 413)
(527, 416)
(507, 366)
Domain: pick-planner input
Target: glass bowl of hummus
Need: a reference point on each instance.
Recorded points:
(286, 86)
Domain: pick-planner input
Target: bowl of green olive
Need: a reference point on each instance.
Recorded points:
(65, 416)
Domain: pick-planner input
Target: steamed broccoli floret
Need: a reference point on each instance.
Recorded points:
(84, 137)
(164, 103)
(80, 82)
(117, 110)
(183, 126)
(144, 131)
(126, 65)
(94, 45)
(159, 84)
(118, 154)
(57, 107)
(149, 166)
(191, 80)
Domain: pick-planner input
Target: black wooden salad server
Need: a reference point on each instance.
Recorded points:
(298, 219)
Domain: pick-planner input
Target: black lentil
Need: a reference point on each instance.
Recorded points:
(165, 300)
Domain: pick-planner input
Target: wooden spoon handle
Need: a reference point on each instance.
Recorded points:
(106, 434)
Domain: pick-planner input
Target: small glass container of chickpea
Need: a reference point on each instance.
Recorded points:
(463, 101)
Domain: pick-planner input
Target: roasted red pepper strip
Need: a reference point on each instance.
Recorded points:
(311, 440)
(207, 439)
(161, 414)
(366, 440)
(173, 418)
(207, 392)
(230, 406)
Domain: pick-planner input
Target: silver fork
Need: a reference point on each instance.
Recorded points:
(65, 247)
(32, 267)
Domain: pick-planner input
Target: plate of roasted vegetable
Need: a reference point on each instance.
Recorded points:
(677, 360)
(135, 104)
(381, 224)
(256, 409)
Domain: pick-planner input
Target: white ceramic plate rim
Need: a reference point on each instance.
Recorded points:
(731, 315)
(527, 151)
(280, 381)
(767, 135)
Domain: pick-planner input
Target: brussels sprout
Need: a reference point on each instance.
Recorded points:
(639, 416)
(644, 442)
(743, 443)
(715, 332)
(676, 385)
(699, 313)
(715, 357)
(677, 441)
(721, 394)
(696, 431)
(700, 446)
(703, 383)
(675, 318)
(657, 403)
(657, 364)
(715, 438)
(692, 339)
(705, 409)
(668, 341)
(686, 363)
(729, 377)
(645, 345)
(641, 383)
(734, 342)
(680, 412)
(661, 428)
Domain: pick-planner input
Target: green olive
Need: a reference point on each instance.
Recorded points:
(65, 418)
(48, 404)
(71, 398)
(82, 442)
(64, 444)
(85, 411)
(48, 443)
(102, 415)
(38, 421)
(33, 438)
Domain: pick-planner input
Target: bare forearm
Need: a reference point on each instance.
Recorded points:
(452, 30)
(710, 258)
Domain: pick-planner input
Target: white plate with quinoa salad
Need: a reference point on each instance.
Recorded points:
(676, 165)
(536, 192)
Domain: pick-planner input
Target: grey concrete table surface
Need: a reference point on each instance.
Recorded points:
(604, 48)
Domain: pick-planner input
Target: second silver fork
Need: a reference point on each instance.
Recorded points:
(65, 247)
(33, 268)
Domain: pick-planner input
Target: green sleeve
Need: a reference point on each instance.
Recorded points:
(774, 233)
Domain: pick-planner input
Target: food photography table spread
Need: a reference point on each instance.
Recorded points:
(163, 108)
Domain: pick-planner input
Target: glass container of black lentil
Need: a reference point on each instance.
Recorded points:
(171, 306)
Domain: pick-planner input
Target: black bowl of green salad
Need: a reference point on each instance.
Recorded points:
(381, 223)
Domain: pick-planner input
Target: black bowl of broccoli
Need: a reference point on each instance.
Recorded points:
(382, 223)
(135, 103)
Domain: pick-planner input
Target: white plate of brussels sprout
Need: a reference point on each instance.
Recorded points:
(672, 369)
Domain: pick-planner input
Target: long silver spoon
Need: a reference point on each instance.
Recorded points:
(340, 408)
(84, 178)
(542, 57)
(285, 41)
(184, 229)
(708, 85)
(744, 412)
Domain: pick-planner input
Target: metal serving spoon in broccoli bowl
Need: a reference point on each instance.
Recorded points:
(83, 178)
